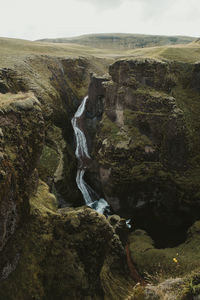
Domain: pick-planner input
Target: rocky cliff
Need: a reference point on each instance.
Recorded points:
(22, 136)
(47, 252)
(147, 142)
(146, 164)
(59, 84)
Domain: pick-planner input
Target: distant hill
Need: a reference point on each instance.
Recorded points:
(122, 41)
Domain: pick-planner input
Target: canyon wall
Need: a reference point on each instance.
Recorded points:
(147, 143)
(47, 252)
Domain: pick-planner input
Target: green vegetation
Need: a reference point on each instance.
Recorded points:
(188, 54)
(14, 51)
(191, 286)
(64, 254)
(109, 129)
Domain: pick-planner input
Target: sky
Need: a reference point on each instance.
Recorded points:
(37, 19)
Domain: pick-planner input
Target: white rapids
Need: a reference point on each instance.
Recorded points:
(82, 155)
(81, 144)
(83, 187)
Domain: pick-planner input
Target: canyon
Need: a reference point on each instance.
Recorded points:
(65, 198)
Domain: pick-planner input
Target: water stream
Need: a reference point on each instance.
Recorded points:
(91, 198)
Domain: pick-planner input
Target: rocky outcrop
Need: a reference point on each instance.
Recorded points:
(21, 137)
(145, 143)
(94, 107)
(153, 73)
(64, 254)
(96, 92)
(195, 82)
(169, 289)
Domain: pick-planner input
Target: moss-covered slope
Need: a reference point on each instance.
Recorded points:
(63, 254)
(21, 137)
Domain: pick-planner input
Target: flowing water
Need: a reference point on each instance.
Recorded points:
(90, 196)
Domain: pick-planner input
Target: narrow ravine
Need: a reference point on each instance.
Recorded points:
(90, 197)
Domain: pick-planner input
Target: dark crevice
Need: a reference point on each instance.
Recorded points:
(163, 235)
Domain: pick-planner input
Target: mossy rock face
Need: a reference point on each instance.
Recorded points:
(147, 142)
(63, 254)
(57, 166)
(150, 72)
(60, 84)
(21, 137)
(48, 163)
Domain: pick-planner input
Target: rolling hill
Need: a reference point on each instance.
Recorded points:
(123, 41)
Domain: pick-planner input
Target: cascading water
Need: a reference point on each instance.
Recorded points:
(81, 144)
(90, 196)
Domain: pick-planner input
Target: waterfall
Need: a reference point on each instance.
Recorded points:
(81, 144)
(90, 196)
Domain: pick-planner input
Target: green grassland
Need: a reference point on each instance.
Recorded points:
(12, 52)
(123, 41)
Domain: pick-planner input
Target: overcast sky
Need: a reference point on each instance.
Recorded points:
(35, 19)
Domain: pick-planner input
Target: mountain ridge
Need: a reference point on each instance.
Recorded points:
(122, 41)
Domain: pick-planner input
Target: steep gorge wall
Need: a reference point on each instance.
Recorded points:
(22, 137)
(147, 142)
(59, 84)
(46, 252)
(36, 105)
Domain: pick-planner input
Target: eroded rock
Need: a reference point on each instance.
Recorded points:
(65, 254)
(21, 136)
(143, 140)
